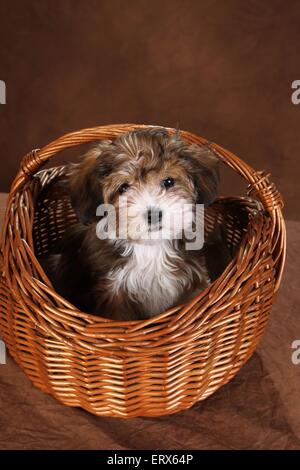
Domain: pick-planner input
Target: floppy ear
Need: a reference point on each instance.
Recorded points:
(205, 173)
(86, 181)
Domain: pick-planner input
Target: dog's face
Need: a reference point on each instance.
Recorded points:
(151, 175)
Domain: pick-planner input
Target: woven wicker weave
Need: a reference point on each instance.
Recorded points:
(139, 368)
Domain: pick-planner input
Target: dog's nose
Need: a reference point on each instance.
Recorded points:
(154, 216)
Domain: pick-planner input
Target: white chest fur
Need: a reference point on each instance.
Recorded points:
(152, 276)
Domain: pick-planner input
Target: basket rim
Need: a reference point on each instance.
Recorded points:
(257, 209)
(259, 184)
(126, 329)
(96, 327)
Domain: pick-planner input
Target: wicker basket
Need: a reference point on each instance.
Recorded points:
(139, 368)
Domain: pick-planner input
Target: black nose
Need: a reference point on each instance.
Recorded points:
(154, 216)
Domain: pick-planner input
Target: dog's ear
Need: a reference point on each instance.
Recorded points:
(85, 181)
(204, 168)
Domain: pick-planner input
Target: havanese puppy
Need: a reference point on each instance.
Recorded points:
(135, 267)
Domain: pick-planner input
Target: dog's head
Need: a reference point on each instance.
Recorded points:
(155, 175)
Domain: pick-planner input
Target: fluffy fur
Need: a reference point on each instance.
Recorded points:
(136, 277)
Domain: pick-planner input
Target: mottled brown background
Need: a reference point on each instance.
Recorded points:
(222, 69)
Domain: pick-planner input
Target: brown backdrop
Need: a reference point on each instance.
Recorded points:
(222, 69)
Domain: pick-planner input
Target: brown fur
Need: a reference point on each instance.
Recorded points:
(79, 272)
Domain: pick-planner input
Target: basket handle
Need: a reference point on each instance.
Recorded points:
(258, 181)
(34, 160)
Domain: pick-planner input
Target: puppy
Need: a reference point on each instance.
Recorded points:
(154, 178)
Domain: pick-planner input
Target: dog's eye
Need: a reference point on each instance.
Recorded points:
(168, 182)
(123, 188)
